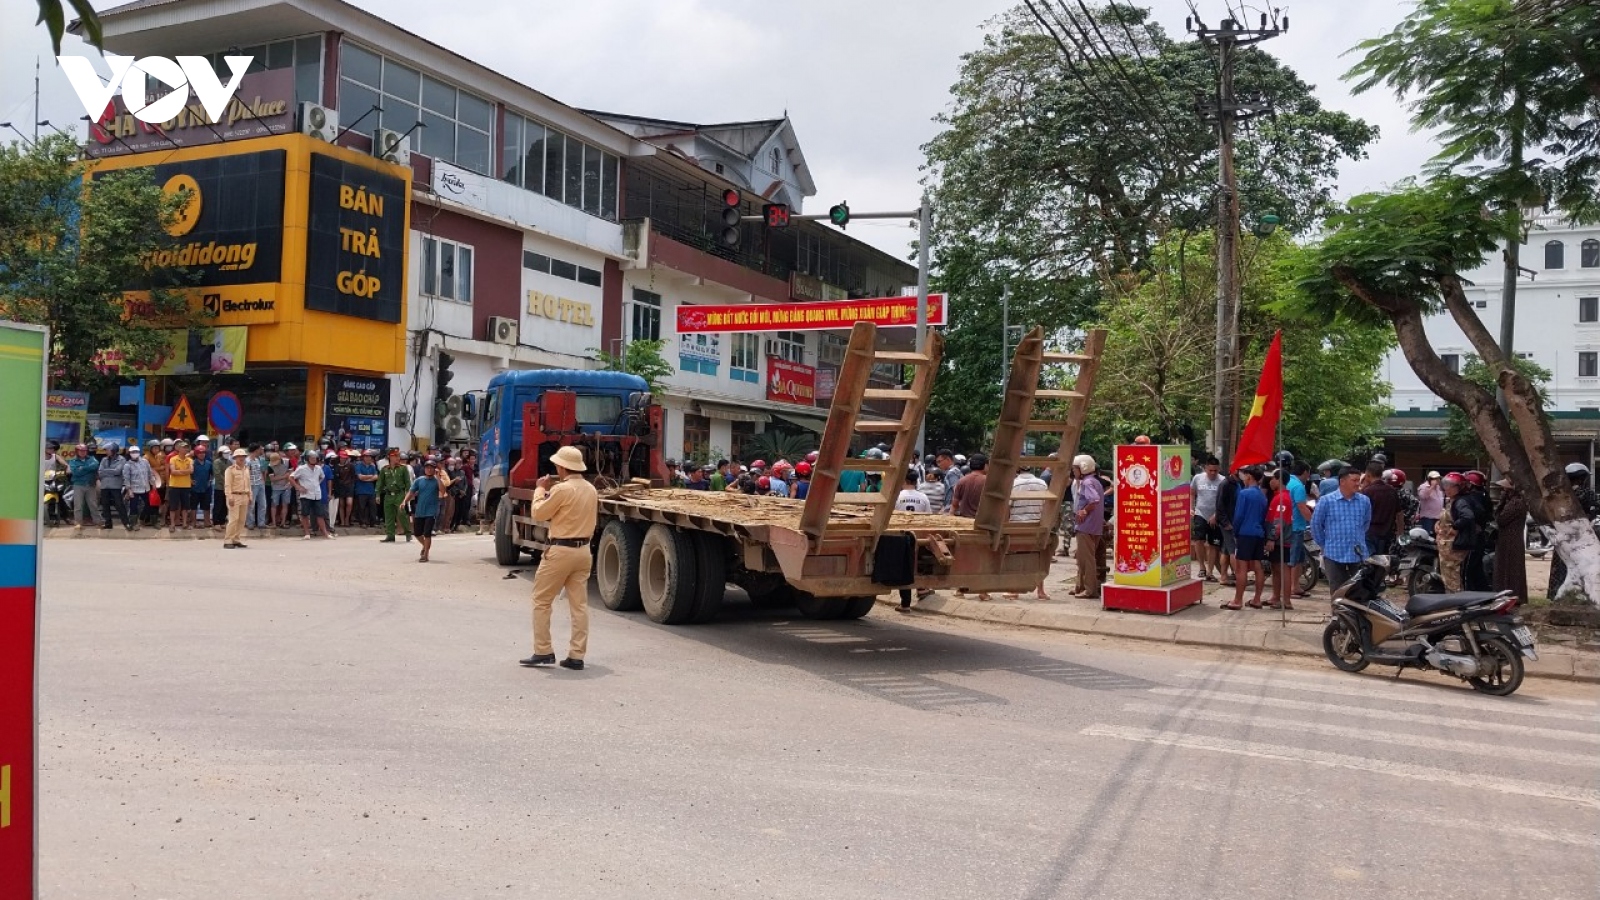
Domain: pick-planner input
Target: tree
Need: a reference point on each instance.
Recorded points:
(641, 358)
(54, 17)
(1060, 164)
(71, 246)
(772, 445)
(1459, 436)
(1398, 257)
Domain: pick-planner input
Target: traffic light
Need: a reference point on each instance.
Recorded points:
(839, 214)
(442, 376)
(776, 214)
(732, 210)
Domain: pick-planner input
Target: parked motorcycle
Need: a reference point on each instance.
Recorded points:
(1419, 564)
(1311, 569)
(57, 497)
(1471, 635)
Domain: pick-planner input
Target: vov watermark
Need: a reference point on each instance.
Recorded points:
(133, 78)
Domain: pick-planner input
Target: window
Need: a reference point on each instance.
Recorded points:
(538, 262)
(1555, 255)
(830, 349)
(457, 124)
(1588, 364)
(562, 168)
(303, 55)
(790, 345)
(1589, 309)
(775, 161)
(1590, 257)
(1452, 361)
(742, 365)
(598, 410)
(1524, 355)
(644, 317)
(535, 261)
(590, 277)
(743, 434)
(696, 437)
(446, 269)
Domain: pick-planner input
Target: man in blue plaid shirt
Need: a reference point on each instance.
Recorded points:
(1339, 526)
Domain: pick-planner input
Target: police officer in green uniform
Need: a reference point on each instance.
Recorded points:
(394, 481)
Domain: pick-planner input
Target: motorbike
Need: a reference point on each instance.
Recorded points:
(57, 498)
(1311, 569)
(1471, 635)
(1419, 564)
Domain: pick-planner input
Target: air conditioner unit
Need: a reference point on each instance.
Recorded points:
(391, 146)
(503, 330)
(318, 121)
(455, 428)
(452, 407)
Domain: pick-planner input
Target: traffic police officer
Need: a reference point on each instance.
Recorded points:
(570, 505)
(394, 482)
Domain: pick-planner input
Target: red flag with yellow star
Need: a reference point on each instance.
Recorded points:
(1255, 445)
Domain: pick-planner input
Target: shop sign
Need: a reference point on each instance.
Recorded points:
(356, 409)
(1152, 497)
(458, 184)
(231, 232)
(885, 312)
(66, 415)
(22, 409)
(826, 378)
(355, 241)
(700, 347)
(560, 309)
(791, 382)
(192, 351)
(262, 105)
(805, 287)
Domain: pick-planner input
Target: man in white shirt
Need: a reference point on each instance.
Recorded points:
(308, 478)
(915, 501)
(1027, 482)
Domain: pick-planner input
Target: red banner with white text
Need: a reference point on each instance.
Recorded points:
(791, 382)
(885, 312)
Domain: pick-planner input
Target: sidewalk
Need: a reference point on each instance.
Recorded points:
(1297, 631)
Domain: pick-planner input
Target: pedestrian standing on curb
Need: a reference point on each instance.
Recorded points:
(236, 487)
(83, 469)
(366, 514)
(1204, 534)
(221, 460)
(394, 482)
(570, 505)
(256, 464)
(1089, 518)
(1444, 535)
(180, 486)
(309, 481)
(424, 498)
(1510, 549)
(113, 492)
(1026, 511)
(1249, 521)
(344, 488)
(1227, 495)
(1386, 509)
(202, 479)
(1339, 526)
(280, 488)
(138, 479)
(914, 501)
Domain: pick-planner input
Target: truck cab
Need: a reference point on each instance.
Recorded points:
(572, 406)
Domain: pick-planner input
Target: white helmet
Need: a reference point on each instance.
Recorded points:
(1084, 463)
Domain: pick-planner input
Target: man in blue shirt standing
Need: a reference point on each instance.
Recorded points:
(424, 494)
(1302, 520)
(1339, 525)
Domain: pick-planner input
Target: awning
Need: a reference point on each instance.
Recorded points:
(805, 423)
(730, 413)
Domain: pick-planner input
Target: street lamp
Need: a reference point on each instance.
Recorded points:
(1266, 225)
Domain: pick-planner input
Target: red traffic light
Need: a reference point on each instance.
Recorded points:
(730, 197)
(776, 214)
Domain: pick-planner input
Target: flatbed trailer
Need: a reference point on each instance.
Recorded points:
(672, 552)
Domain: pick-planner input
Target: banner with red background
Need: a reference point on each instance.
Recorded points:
(885, 312)
(791, 382)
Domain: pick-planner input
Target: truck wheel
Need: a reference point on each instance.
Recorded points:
(814, 607)
(506, 551)
(616, 565)
(668, 574)
(856, 607)
(712, 558)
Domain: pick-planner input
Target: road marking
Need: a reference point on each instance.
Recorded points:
(1579, 796)
(1475, 704)
(1405, 716)
(1418, 741)
(1386, 686)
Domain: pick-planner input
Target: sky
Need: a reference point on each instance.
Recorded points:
(861, 79)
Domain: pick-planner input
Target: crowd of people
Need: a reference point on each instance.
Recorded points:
(180, 485)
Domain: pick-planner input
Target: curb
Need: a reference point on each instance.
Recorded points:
(1551, 663)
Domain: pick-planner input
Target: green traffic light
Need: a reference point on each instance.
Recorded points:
(840, 214)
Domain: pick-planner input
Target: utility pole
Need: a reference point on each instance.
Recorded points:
(36, 99)
(1227, 110)
(924, 238)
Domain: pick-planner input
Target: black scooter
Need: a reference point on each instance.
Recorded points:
(1419, 564)
(1471, 635)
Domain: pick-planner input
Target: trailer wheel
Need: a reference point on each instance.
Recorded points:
(668, 574)
(712, 558)
(856, 607)
(506, 551)
(814, 607)
(616, 565)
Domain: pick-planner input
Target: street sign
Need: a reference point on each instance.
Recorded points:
(224, 412)
(22, 391)
(182, 418)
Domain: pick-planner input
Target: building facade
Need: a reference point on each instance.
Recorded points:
(536, 235)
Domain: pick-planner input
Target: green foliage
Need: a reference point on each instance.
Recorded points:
(1459, 436)
(53, 16)
(641, 358)
(773, 445)
(1043, 180)
(71, 247)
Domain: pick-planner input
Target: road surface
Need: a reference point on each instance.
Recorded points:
(331, 719)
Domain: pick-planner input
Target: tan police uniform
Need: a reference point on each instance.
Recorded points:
(236, 487)
(571, 507)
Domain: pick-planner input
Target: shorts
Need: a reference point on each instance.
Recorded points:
(1295, 553)
(1227, 541)
(281, 496)
(422, 526)
(1249, 548)
(1201, 532)
(312, 509)
(341, 491)
(180, 499)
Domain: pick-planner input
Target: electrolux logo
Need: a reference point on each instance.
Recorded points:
(215, 305)
(180, 74)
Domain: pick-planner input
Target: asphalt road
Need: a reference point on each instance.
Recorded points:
(331, 719)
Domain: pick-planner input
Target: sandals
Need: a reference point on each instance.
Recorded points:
(1254, 604)
(1231, 606)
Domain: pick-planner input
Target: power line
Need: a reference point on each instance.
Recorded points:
(1150, 108)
